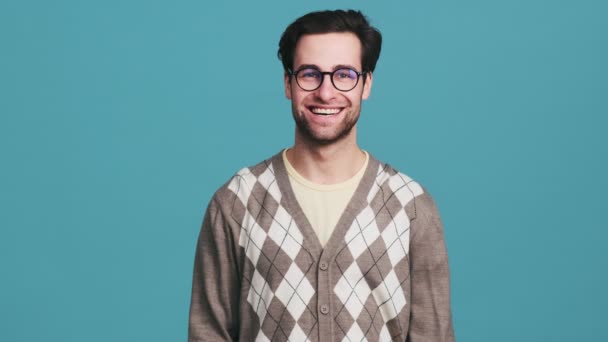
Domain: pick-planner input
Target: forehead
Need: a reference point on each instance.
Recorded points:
(328, 50)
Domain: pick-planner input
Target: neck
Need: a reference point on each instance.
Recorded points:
(326, 164)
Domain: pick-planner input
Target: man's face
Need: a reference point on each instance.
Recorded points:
(326, 115)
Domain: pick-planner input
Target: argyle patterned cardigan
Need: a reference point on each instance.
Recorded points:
(261, 274)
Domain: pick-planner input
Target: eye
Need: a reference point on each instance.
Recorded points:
(344, 74)
(309, 74)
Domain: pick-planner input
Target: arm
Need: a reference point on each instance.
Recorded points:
(215, 285)
(431, 317)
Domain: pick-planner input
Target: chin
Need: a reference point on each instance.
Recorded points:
(326, 139)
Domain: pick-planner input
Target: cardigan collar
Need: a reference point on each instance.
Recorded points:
(357, 203)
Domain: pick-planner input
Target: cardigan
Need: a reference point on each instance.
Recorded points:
(261, 274)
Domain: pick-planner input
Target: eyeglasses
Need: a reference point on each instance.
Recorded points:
(310, 79)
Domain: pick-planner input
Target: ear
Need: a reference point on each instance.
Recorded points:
(287, 81)
(367, 86)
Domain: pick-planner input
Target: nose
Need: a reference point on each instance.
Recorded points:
(326, 91)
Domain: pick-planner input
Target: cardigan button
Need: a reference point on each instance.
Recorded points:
(323, 265)
(324, 309)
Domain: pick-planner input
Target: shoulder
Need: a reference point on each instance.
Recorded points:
(247, 182)
(412, 195)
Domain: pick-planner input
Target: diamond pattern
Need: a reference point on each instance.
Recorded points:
(353, 290)
(241, 184)
(354, 334)
(252, 239)
(369, 286)
(268, 181)
(360, 287)
(396, 237)
(285, 233)
(297, 335)
(403, 187)
(358, 237)
(387, 299)
(381, 177)
(260, 295)
(389, 296)
(261, 196)
(295, 291)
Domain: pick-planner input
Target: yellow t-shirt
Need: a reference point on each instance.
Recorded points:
(323, 204)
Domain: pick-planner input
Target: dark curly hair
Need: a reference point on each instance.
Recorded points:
(329, 22)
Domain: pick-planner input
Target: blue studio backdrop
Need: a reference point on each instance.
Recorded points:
(119, 119)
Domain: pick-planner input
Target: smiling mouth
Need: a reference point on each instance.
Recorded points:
(325, 111)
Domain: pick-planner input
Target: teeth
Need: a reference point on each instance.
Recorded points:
(325, 110)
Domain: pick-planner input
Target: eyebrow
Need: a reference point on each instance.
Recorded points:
(335, 67)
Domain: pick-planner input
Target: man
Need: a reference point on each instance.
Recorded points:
(322, 242)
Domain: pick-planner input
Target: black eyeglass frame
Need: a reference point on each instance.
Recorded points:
(323, 73)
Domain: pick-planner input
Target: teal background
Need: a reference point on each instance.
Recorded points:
(119, 119)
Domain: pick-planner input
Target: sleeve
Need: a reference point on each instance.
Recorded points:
(431, 317)
(215, 285)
